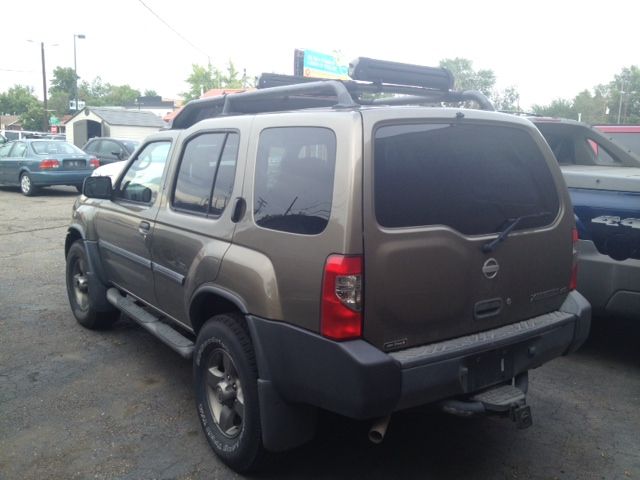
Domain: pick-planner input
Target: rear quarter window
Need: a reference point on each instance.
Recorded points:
(472, 178)
(294, 179)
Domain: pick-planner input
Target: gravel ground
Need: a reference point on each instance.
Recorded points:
(119, 404)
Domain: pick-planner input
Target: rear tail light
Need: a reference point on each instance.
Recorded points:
(573, 283)
(49, 164)
(341, 311)
(94, 162)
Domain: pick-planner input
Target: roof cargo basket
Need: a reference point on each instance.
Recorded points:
(401, 83)
(381, 71)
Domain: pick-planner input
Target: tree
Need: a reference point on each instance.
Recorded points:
(59, 103)
(120, 95)
(557, 108)
(17, 100)
(64, 80)
(201, 79)
(151, 93)
(231, 80)
(205, 78)
(466, 78)
(33, 117)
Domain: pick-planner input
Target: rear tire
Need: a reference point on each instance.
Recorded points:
(27, 187)
(226, 387)
(78, 291)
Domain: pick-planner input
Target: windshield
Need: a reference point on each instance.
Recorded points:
(54, 147)
(130, 145)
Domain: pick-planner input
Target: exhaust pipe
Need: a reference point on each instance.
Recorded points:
(379, 429)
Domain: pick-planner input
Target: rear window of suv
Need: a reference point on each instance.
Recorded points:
(472, 178)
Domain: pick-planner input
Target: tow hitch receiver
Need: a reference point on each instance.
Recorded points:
(506, 399)
(522, 416)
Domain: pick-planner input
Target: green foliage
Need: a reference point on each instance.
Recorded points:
(151, 93)
(59, 103)
(466, 78)
(557, 108)
(98, 94)
(33, 117)
(616, 102)
(17, 100)
(63, 81)
(204, 78)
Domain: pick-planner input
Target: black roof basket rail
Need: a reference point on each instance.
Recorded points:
(324, 88)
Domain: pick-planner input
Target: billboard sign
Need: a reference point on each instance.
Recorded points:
(322, 65)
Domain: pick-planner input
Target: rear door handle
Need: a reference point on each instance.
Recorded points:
(239, 210)
(144, 228)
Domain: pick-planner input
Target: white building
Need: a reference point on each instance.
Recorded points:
(111, 122)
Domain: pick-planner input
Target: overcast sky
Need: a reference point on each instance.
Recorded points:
(546, 49)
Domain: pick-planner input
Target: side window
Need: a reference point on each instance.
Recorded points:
(18, 150)
(93, 146)
(294, 179)
(206, 173)
(109, 148)
(141, 182)
(4, 150)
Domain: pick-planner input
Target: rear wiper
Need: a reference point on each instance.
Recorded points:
(511, 224)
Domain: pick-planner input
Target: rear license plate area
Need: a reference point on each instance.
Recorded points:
(488, 369)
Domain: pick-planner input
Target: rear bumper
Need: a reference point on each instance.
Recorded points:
(357, 380)
(59, 178)
(610, 285)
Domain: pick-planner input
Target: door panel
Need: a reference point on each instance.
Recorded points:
(194, 229)
(125, 225)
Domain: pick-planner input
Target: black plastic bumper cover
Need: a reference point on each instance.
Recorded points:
(357, 380)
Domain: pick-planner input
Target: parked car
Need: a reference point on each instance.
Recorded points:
(111, 170)
(626, 135)
(604, 182)
(361, 256)
(32, 164)
(109, 150)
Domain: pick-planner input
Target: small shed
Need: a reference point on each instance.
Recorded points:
(111, 122)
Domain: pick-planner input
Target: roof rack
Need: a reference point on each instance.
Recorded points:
(408, 84)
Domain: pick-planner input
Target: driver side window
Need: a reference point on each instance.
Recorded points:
(141, 182)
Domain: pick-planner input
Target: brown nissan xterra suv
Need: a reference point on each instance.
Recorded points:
(337, 245)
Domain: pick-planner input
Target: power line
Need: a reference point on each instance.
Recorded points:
(173, 29)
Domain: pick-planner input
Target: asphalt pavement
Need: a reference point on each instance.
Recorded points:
(77, 404)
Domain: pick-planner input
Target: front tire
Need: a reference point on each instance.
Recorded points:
(226, 387)
(78, 291)
(27, 187)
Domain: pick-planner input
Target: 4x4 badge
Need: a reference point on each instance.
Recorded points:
(490, 268)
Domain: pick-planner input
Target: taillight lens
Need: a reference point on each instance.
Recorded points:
(94, 163)
(341, 311)
(573, 283)
(49, 163)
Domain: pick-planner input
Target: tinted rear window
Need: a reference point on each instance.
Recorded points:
(472, 178)
(294, 179)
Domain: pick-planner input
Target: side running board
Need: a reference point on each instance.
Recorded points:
(170, 337)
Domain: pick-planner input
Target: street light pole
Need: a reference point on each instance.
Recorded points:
(620, 104)
(45, 123)
(75, 67)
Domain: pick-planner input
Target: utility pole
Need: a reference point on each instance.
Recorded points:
(75, 67)
(45, 122)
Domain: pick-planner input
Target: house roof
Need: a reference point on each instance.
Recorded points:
(121, 116)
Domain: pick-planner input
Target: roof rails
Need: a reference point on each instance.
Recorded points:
(408, 84)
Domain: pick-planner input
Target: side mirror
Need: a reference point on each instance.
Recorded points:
(97, 187)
